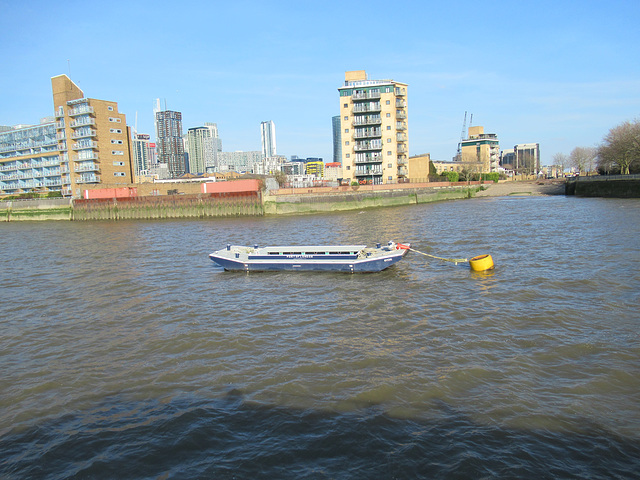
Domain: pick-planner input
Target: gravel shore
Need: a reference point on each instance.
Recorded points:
(522, 188)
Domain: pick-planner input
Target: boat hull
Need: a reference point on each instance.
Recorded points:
(376, 261)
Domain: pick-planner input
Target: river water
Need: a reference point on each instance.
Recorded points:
(126, 353)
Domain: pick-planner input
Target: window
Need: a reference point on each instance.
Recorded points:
(116, 120)
(346, 117)
(119, 164)
(389, 152)
(346, 130)
(388, 127)
(346, 105)
(116, 142)
(388, 102)
(347, 142)
(348, 155)
(117, 152)
(389, 166)
(388, 115)
(388, 140)
(110, 108)
(115, 130)
(119, 174)
(390, 178)
(348, 167)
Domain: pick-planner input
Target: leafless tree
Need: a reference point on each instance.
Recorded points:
(560, 160)
(620, 148)
(583, 159)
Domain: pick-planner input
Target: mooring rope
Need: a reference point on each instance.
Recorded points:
(454, 260)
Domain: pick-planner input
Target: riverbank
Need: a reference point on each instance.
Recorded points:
(524, 188)
(282, 202)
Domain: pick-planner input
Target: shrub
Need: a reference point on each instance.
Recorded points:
(452, 176)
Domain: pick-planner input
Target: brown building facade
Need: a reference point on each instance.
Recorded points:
(94, 142)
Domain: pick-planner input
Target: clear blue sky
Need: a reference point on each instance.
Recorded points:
(560, 73)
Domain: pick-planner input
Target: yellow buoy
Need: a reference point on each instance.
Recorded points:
(481, 263)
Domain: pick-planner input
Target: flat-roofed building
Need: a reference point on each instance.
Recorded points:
(480, 151)
(29, 159)
(169, 142)
(526, 159)
(315, 168)
(374, 129)
(142, 153)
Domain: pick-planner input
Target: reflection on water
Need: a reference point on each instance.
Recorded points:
(122, 342)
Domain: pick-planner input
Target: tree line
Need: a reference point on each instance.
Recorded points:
(619, 153)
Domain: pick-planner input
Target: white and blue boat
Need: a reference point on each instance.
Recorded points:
(335, 258)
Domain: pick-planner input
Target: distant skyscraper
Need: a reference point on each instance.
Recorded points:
(337, 139)
(268, 135)
(141, 153)
(169, 141)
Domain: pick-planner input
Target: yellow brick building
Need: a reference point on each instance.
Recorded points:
(94, 142)
(374, 129)
(480, 152)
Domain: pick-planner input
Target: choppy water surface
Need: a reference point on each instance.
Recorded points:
(126, 353)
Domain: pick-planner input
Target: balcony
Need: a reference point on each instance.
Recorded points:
(401, 137)
(366, 107)
(401, 103)
(368, 133)
(60, 125)
(367, 120)
(402, 149)
(82, 110)
(84, 134)
(403, 171)
(84, 145)
(400, 91)
(368, 172)
(401, 125)
(401, 114)
(88, 178)
(362, 158)
(82, 122)
(87, 167)
(368, 145)
(87, 156)
(402, 161)
(365, 96)
(61, 135)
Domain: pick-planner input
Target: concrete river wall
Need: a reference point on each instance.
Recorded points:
(281, 202)
(150, 207)
(616, 186)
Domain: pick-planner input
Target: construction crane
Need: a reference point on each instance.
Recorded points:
(464, 127)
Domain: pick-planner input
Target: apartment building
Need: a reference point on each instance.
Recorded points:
(94, 142)
(29, 158)
(480, 152)
(169, 142)
(374, 130)
(142, 153)
(87, 142)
